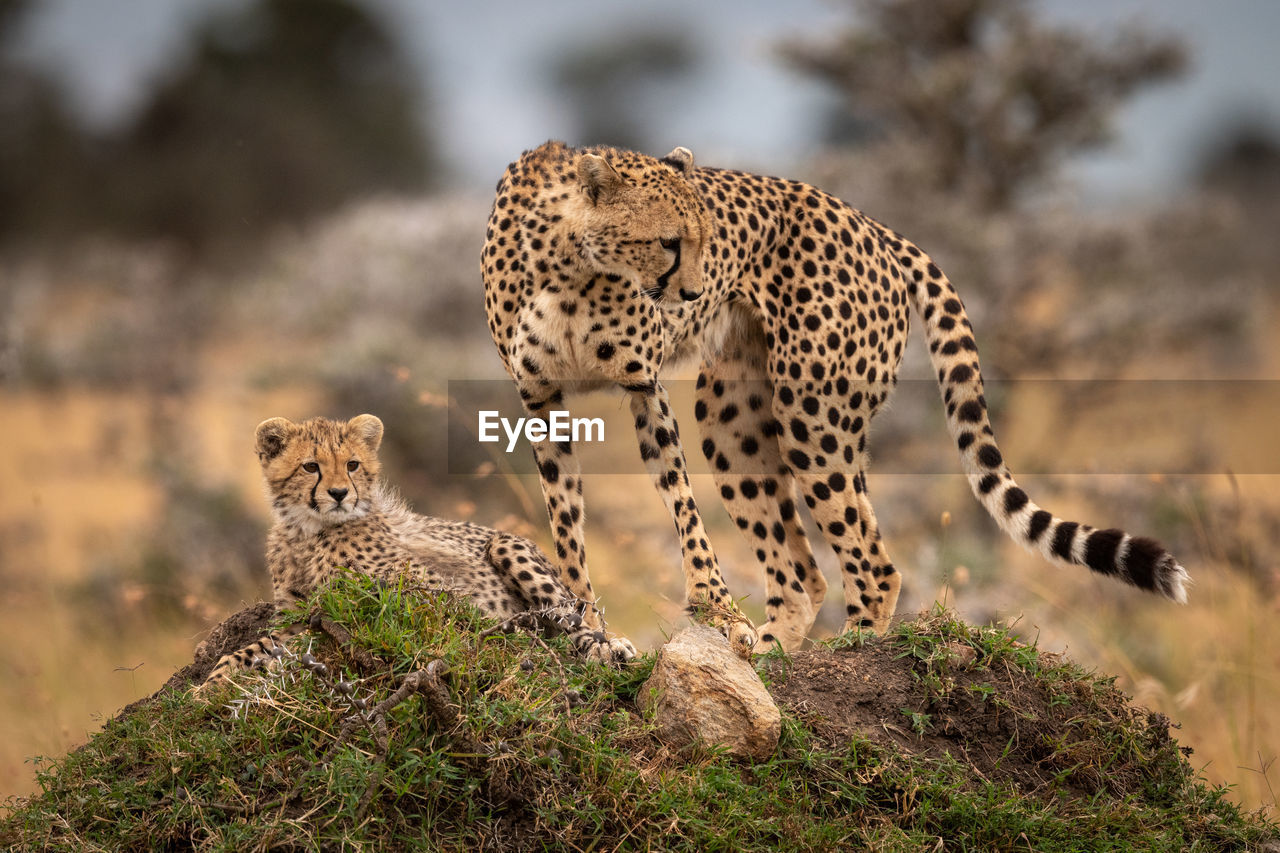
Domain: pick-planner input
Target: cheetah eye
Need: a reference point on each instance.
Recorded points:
(353, 465)
(671, 244)
(310, 467)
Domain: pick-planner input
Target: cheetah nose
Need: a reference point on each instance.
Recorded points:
(338, 494)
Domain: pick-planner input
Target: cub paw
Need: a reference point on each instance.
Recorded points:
(610, 650)
(622, 649)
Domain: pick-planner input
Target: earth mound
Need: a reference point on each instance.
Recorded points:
(413, 722)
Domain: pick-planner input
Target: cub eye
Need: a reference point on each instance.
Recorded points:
(310, 467)
(670, 243)
(353, 465)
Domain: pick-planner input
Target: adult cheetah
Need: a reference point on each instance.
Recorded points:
(602, 266)
(333, 511)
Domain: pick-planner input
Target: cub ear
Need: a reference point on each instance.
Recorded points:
(271, 437)
(599, 179)
(368, 429)
(680, 159)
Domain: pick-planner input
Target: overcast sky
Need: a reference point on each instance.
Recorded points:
(481, 65)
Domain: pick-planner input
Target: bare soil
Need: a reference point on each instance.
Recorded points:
(1002, 723)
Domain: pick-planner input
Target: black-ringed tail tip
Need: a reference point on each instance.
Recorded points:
(1135, 560)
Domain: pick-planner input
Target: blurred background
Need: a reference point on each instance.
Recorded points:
(217, 211)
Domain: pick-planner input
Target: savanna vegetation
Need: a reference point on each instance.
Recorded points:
(139, 347)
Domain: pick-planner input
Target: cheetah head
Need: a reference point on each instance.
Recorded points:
(320, 473)
(648, 226)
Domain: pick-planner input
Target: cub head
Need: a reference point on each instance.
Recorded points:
(320, 473)
(647, 225)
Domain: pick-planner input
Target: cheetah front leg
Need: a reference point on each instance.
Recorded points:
(705, 592)
(740, 442)
(560, 475)
(532, 582)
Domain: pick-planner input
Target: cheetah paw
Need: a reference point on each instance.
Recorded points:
(617, 649)
(611, 650)
(878, 627)
(765, 644)
(741, 635)
(775, 634)
(729, 621)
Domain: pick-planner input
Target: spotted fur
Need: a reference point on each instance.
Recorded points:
(798, 306)
(333, 512)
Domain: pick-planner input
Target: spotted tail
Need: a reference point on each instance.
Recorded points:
(1136, 560)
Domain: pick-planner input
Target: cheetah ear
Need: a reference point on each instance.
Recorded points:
(271, 437)
(680, 159)
(599, 179)
(368, 428)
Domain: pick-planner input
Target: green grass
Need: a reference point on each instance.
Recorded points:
(549, 753)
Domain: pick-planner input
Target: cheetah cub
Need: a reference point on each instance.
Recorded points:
(333, 511)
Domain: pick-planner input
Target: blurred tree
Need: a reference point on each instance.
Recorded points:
(1241, 163)
(976, 96)
(41, 150)
(282, 109)
(615, 86)
(1244, 160)
(10, 11)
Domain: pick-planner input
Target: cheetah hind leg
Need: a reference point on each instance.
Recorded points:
(264, 652)
(534, 583)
